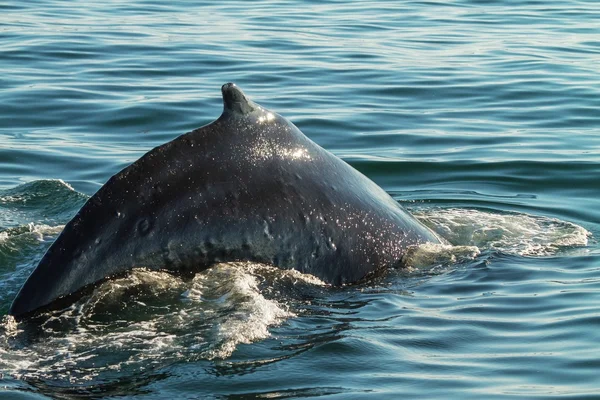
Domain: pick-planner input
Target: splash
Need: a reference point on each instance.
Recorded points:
(431, 254)
(33, 190)
(12, 237)
(149, 319)
(20, 248)
(242, 313)
(516, 233)
(50, 202)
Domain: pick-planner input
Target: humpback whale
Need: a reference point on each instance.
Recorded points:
(247, 187)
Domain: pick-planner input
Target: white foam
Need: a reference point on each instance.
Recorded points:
(22, 193)
(65, 184)
(148, 318)
(17, 245)
(151, 318)
(431, 254)
(516, 233)
(235, 286)
(39, 232)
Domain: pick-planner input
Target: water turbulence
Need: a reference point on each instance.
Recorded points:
(515, 233)
(146, 320)
(149, 319)
(31, 217)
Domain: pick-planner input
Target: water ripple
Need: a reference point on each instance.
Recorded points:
(485, 109)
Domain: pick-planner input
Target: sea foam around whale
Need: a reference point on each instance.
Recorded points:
(148, 319)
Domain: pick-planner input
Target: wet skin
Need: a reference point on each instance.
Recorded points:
(248, 186)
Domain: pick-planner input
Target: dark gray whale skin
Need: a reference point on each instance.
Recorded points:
(248, 186)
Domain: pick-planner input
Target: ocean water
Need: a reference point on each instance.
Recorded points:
(480, 117)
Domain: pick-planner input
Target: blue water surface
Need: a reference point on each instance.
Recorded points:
(480, 117)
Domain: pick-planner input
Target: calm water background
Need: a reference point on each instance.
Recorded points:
(480, 117)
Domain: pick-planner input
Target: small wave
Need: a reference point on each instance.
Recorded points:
(515, 233)
(50, 201)
(19, 244)
(149, 319)
(234, 286)
(27, 233)
(33, 190)
(20, 248)
(49, 204)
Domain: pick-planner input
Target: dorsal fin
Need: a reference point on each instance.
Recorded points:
(235, 101)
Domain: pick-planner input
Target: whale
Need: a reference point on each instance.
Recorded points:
(249, 186)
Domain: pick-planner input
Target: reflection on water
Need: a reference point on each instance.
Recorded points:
(479, 118)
